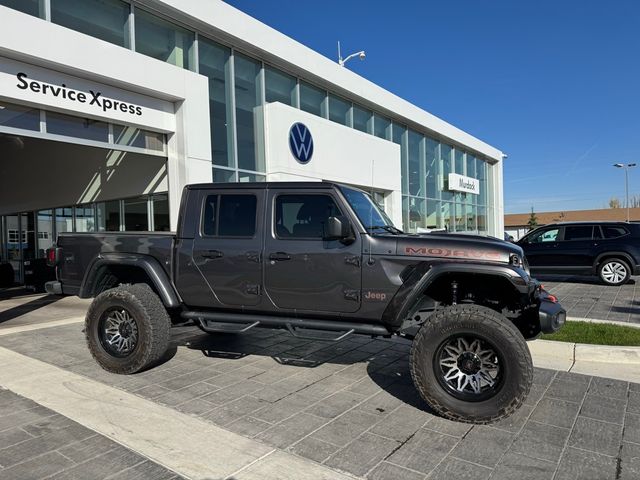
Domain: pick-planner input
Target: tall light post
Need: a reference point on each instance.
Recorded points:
(626, 167)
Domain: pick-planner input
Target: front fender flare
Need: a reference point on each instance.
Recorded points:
(148, 264)
(425, 273)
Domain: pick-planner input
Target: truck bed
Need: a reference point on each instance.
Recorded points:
(81, 249)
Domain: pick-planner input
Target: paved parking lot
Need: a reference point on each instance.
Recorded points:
(588, 298)
(351, 406)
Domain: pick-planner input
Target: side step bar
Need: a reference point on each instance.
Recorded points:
(247, 321)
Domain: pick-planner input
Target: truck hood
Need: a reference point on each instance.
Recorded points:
(449, 246)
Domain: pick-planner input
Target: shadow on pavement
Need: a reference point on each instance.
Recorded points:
(388, 368)
(28, 307)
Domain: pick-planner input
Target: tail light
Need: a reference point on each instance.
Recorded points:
(53, 256)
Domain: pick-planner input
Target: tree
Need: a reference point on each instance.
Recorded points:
(533, 220)
(614, 202)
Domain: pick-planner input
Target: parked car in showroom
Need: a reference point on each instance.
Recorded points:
(610, 250)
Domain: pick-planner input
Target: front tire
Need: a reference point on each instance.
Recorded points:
(614, 272)
(471, 364)
(127, 329)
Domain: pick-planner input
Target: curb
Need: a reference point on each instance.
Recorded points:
(611, 322)
(621, 363)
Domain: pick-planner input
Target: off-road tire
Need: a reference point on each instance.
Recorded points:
(610, 262)
(517, 371)
(152, 321)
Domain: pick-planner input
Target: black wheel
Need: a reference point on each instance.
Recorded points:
(614, 271)
(471, 364)
(127, 329)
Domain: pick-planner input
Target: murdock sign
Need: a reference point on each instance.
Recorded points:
(460, 183)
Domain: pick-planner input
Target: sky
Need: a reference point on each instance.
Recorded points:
(553, 84)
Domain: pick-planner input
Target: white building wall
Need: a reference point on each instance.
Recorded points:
(340, 154)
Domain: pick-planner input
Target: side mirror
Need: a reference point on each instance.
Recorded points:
(338, 228)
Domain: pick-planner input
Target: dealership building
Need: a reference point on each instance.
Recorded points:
(108, 108)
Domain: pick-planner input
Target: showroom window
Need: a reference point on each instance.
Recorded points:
(313, 100)
(103, 19)
(248, 97)
(108, 216)
(215, 64)
(32, 7)
(136, 215)
(161, 212)
(432, 151)
(163, 40)
(362, 119)
(60, 124)
(399, 136)
(280, 87)
(17, 116)
(339, 110)
(223, 176)
(446, 152)
(136, 137)
(85, 218)
(381, 127)
(416, 164)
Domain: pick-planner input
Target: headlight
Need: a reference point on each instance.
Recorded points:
(515, 260)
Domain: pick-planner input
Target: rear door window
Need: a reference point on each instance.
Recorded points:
(614, 231)
(578, 232)
(229, 215)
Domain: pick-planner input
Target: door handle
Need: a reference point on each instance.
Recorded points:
(212, 254)
(279, 256)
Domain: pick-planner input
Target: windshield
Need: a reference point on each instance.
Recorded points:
(371, 216)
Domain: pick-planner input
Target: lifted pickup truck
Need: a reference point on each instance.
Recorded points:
(313, 257)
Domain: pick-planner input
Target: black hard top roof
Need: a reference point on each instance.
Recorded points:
(265, 185)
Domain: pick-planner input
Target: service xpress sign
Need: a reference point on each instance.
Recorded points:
(91, 97)
(54, 90)
(460, 183)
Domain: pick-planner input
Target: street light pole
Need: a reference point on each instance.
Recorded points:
(626, 167)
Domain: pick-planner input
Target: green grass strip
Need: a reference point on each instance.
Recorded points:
(596, 334)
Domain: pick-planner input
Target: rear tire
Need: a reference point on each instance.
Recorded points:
(471, 364)
(127, 329)
(614, 271)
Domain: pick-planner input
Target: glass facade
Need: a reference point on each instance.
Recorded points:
(32, 7)
(280, 87)
(215, 63)
(104, 19)
(313, 100)
(17, 116)
(163, 40)
(238, 86)
(248, 97)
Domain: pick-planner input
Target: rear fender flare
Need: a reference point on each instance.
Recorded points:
(149, 265)
(426, 273)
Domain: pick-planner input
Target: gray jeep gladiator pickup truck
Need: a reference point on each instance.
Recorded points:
(322, 261)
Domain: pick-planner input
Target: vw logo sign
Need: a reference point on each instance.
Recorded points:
(301, 142)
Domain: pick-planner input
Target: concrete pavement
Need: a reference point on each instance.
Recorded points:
(346, 409)
(265, 405)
